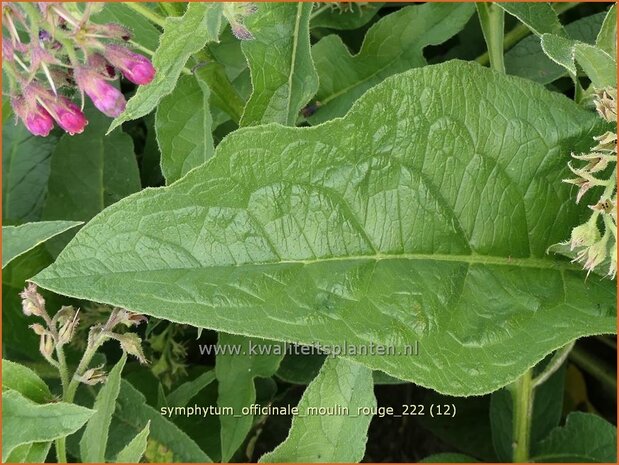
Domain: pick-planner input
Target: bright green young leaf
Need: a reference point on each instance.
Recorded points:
(94, 439)
(25, 381)
(133, 452)
(25, 170)
(439, 193)
(17, 240)
(143, 32)
(336, 437)
(165, 440)
(584, 438)
(343, 16)
(188, 390)
(599, 66)
(235, 374)
(182, 37)
(547, 411)
(280, 61)
(539, 17)
(183, 123)
(24, 421)
(449, 457)
(90, 171)
(528, 60)
(607, 37)
(35, 452)
(392, 45)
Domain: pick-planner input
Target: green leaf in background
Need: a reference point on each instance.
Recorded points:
(599, 66)
(182, 37)
(94, 439)
(607, 38)
(584, 438)
(449, 457)
(17, 240)
(183, 123)
(280, 61)
(539, 17)
(143, 32)
(25, 170)
(342, 16)
(528, 60)
(546, 415)
(133, 452)
(90, 171)
(392, 45)
(337, 437)
(235, 374)
(25, 381)
(35, 452)
(188, 390)
(166, 442)
(24, 421)
(439, 193)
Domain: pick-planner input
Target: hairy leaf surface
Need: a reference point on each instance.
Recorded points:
(25, 381)
(17, 240)
(183, 123)
(133, 452)
(422, 216)
(332, 437)
(282, 72)
(24, 421)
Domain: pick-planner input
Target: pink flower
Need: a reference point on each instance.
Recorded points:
(67, 114)
(36, 119)
(107, 98)
(135, 67)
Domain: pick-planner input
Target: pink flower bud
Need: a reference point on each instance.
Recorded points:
(67, 114)
(107, 98)
(36, 119)
(135, 67)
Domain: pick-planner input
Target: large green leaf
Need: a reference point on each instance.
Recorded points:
(584, 438)
(25, 381)
(607, 37)
(182, 37)
(25, 169)
(183, 123)
(235, 374)
(348, 15)
(423, 216)
(94, 439)
(90, 171)
(17, 240)
(24, 421)
(392, 45)
(35, 452)
(335, 436)
(188, 390)
(280, 61)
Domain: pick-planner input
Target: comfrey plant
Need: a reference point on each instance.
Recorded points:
(595, 241)
(50, 50)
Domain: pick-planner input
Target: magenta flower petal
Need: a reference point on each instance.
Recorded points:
(135, 67)
(107, 98)
(36, 119)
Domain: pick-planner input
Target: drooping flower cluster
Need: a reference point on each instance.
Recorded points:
(49, 52)
(57, 331)
(595, 241)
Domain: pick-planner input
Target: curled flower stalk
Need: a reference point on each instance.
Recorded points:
(595, 241)
(62, 54)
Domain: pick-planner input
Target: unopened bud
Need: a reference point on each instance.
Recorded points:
(586, 234)
(68, 322)
(92, 376)
(33, 303)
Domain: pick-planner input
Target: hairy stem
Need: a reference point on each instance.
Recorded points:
(492, 20)
(522, 395)
(555, 363)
